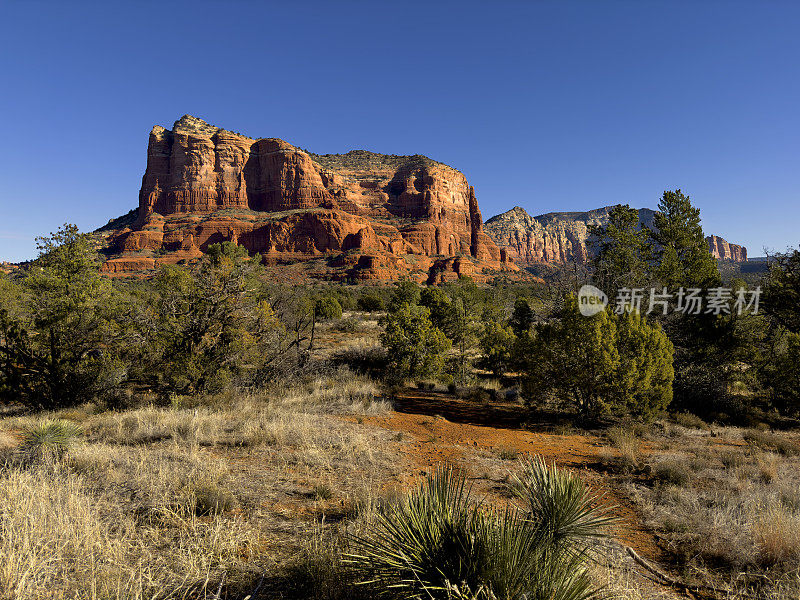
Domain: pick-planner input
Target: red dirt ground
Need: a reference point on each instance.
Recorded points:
(440, 428)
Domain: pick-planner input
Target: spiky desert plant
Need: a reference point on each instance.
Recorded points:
(560, 509)
(49, 439)
(438, 542)
(425, 540)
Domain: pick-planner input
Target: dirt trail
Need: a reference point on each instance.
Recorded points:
(442, 428)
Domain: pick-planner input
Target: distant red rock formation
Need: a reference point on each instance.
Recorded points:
(724, 250)
(358, 215)
(564, 237)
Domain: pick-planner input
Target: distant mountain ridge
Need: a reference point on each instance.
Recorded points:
(561, 237)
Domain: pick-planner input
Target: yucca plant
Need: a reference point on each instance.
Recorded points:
(428, 538)
(438, 542)
(560, 509)
(50, 439)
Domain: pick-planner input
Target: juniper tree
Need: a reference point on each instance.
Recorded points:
(573, 359)
(521, 317)
(624, 252)
(440, 307)
(405, 292)
(682, 256)
(213, 326)
(782, 291)
(415, 346)
(599, 363)
(644, 377)
(497, 346)
(464, 324)
(57, 335)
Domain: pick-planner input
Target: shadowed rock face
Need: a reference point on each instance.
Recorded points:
(371, 216)
(564, 237)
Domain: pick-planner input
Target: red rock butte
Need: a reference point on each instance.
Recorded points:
(354, 216)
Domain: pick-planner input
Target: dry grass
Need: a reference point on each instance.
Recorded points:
(363, 354)
(59, 538)
(628, 446)
(771, 441)
(729, 511)
(672, 471)
(172, 502)
(508, 454)
(620, 578)
(278, 417)
(768, 465)
(776, 532)
(690, 421)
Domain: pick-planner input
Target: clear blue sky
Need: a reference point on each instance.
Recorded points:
(552, 106)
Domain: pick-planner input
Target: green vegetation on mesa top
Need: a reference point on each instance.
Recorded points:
(355, 159)
(366, 160)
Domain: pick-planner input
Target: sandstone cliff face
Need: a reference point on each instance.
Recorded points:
(564, 237)
(724, 250)
(369, 216)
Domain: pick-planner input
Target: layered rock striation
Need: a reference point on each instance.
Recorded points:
(724, 250)
(564, 237)
(358, 215)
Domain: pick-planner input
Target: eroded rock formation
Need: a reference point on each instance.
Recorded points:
(564, 237)
(358, 215)
(724, 250)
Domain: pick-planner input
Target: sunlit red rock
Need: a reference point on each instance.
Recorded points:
(390, 216)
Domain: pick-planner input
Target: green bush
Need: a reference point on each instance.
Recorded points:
(327, 308)
(415, 347)
(599, 362)
(345, 297)
(370, 303)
